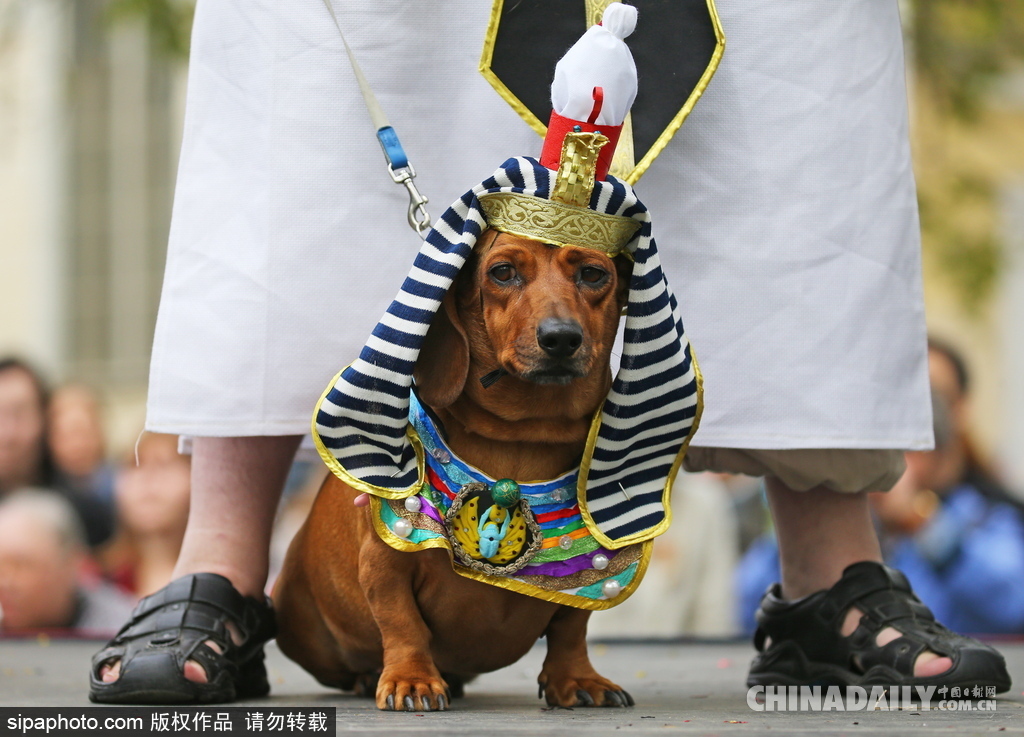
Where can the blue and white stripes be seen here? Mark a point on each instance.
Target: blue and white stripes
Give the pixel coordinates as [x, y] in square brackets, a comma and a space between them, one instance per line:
[361, 423]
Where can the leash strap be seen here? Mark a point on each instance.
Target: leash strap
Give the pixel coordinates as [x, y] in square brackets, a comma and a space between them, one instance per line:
[399, 166]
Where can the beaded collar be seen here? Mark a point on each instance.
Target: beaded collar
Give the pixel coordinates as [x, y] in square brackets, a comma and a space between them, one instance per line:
[545, 549]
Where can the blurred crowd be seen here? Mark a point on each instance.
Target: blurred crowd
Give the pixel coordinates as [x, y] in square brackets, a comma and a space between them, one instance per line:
[85, 533]
[82, 535]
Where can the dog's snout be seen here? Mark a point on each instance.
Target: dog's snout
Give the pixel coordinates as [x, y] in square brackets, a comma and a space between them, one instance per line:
[559, 338]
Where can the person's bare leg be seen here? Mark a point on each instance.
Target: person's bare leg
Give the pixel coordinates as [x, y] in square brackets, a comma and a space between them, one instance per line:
[820, 533]
[236, 485]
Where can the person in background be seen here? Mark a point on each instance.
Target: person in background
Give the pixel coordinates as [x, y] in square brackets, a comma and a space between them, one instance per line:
[949, 525]
[77, 445]
[25, 458]
[43, 570]
[953, 529]
[23, 399]
[152, 501]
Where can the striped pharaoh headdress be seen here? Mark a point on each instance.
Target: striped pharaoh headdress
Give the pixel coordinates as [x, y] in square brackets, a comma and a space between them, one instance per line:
[639, 435]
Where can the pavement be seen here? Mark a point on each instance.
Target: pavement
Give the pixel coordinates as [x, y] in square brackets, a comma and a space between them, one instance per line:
[695, 688]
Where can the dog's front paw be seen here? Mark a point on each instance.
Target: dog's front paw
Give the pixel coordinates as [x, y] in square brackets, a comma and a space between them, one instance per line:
[570, 690]
[411, 689]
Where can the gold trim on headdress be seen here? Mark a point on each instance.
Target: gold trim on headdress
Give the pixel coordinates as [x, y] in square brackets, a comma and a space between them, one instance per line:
[566, 219]
[557, 223]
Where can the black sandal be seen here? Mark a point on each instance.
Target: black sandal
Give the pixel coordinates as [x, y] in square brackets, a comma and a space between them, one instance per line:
[807, 647]
[171, 627]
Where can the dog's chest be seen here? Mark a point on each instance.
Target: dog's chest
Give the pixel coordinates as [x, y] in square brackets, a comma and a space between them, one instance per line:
[530, 538]
[477, 628]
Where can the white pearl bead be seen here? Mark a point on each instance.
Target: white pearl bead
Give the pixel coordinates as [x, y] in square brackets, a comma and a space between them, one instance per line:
[403, 527]
[600, 561]
[413, 503]
[565, 542]
[611, 588]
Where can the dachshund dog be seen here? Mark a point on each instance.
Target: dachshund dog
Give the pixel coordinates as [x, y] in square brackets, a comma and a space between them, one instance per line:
[360, 615]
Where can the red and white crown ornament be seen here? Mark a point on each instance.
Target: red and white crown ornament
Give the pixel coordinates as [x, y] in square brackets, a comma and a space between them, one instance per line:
[594, 88]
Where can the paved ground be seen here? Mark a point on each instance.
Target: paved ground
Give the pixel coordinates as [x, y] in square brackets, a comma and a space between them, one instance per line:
[679, 688]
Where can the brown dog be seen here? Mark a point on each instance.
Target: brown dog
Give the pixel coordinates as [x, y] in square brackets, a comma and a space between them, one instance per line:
[351, 607]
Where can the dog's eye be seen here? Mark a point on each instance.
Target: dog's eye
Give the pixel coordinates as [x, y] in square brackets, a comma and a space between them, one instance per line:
[503, 273]
[592, 275]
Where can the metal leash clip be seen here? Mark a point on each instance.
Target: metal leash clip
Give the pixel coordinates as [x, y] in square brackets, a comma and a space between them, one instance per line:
[419, 218]
[401, 171]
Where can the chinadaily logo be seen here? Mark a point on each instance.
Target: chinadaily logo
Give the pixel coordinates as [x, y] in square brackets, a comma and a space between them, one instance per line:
[871, 698]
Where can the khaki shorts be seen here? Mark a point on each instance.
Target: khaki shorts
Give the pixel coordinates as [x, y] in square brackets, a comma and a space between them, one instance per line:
[802, 469]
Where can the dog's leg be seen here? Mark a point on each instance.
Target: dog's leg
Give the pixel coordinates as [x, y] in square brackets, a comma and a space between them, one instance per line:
[302, 633]
[409, 680]
[567, 678]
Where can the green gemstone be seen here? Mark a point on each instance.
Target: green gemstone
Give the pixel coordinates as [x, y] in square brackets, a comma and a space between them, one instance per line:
[505, 493]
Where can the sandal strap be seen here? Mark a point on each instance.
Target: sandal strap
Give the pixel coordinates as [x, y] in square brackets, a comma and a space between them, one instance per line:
[198, 602]
[203, 587]
[859, 582]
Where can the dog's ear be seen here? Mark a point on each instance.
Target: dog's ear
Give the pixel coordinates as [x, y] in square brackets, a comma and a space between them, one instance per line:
[443, 365]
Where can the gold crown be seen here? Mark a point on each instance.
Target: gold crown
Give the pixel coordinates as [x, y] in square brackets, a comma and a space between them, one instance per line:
[565, 219]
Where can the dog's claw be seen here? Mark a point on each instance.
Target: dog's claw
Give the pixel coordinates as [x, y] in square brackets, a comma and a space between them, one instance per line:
[583, 698]
[612, 699]
[410, 705]
[426, 703]
[627, 699]
[442, 705]
[391, 702]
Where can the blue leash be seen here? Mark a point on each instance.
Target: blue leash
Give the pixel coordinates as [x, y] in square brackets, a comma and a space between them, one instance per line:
[399, 166]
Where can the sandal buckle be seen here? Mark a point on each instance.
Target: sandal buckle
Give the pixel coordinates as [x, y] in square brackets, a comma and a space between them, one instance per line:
[165, 639]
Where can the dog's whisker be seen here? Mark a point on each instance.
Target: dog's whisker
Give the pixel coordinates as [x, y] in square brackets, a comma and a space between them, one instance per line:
[624, 492]
[488, 379]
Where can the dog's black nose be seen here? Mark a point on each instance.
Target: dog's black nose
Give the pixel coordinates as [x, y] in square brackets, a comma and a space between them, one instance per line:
[559, 338]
